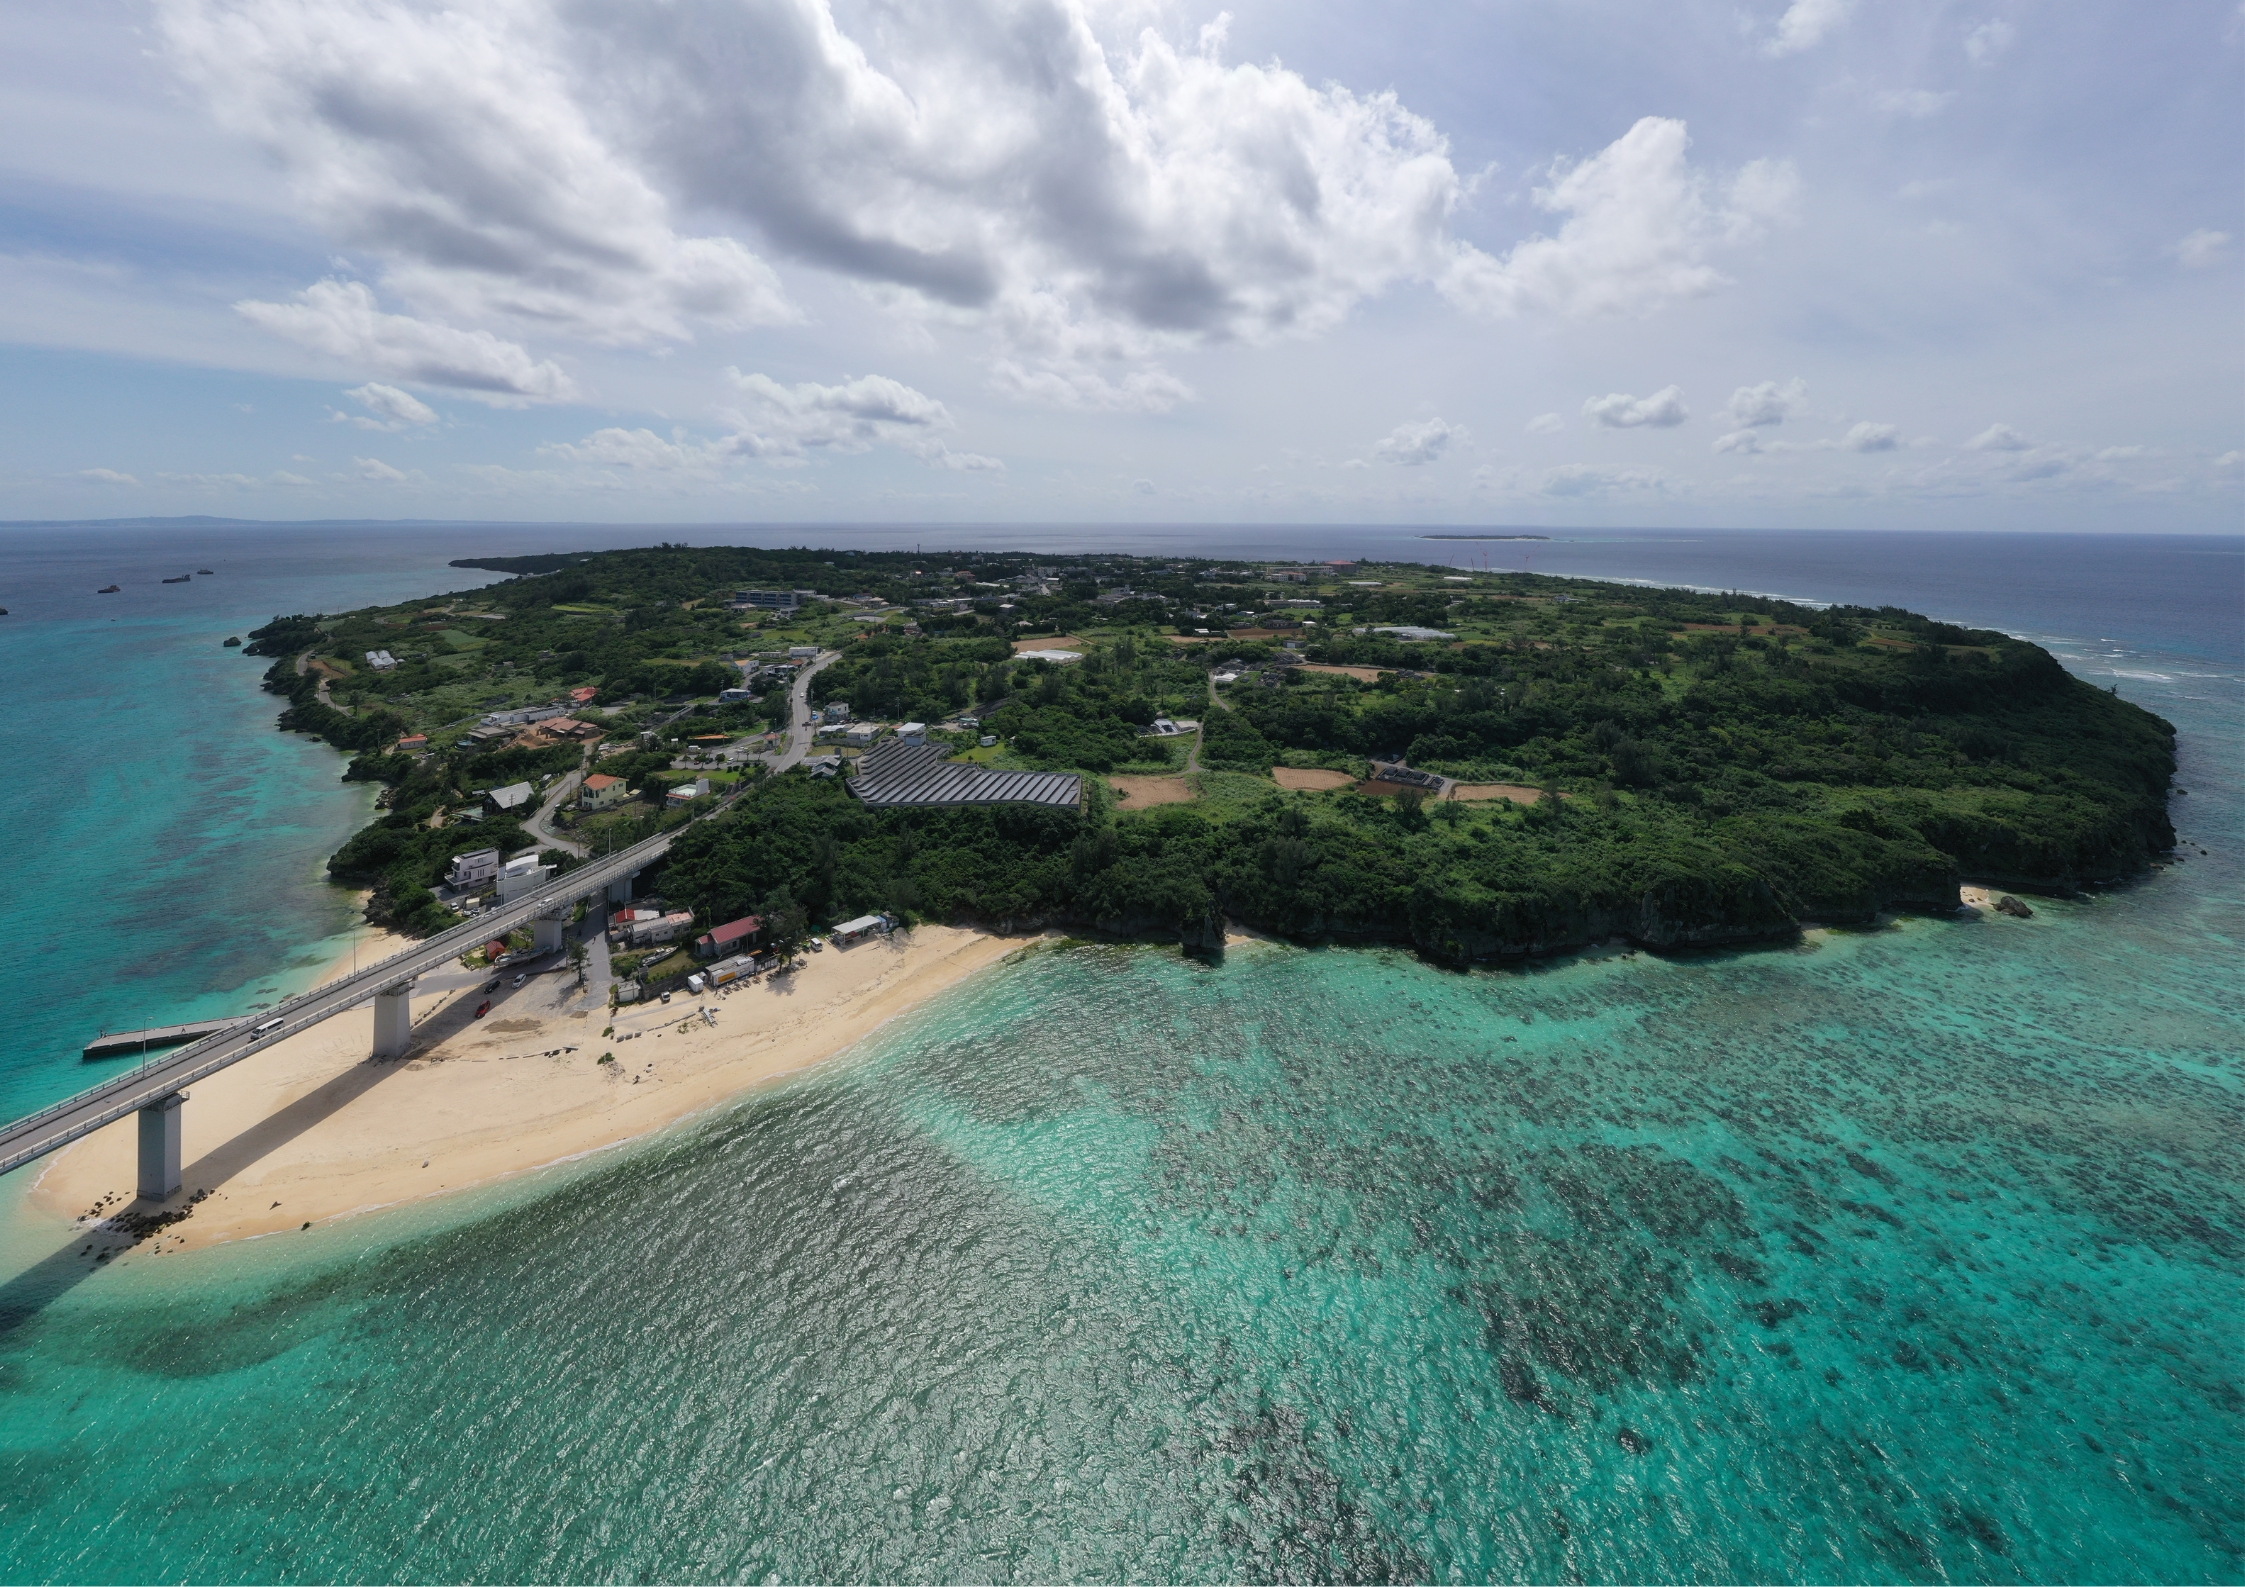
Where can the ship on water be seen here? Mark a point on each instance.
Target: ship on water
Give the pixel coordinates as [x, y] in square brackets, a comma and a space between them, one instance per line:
[184, 578]
[203, 572]
[107, 589]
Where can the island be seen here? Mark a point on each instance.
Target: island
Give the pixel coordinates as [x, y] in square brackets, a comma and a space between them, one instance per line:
[1481, 766]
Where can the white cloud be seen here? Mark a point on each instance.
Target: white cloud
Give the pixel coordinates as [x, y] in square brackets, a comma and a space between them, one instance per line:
[1545, 424]
[1590, 479]
[1663, 410]
[1915, 103]
[106, 476]
[342, 319]
[392, 409]
[1639, 227]
[373, 468]
[783, 424]
[643, 449]
[936, 455]
[1999, 438]
[2202, 248]
[1767, 403]
[1742, 441]
[1990, 39]
[785, 421]
[463, 147]
[1805, 25]
[1421, 441]
[1869, 437]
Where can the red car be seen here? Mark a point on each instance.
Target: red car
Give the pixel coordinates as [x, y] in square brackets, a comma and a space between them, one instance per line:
[483, 1008]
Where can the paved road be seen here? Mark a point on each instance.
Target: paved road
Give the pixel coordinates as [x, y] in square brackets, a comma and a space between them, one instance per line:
[541, 825]
[799, 733]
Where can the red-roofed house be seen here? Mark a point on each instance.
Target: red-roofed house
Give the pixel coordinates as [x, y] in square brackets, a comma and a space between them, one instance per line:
[583, 696]
[601, 791]
[732, 937]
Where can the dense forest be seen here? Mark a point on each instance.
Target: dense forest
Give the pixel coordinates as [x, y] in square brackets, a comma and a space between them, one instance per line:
[1674, 766]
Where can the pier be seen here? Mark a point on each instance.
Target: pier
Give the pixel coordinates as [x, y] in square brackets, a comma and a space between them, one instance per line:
[114, 1044]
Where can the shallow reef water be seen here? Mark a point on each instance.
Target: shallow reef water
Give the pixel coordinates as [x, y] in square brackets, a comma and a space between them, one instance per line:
[1902, 1255]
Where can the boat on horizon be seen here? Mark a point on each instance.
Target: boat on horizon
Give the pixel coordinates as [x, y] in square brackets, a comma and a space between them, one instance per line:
[107, 589]
[205, 572]
[184, 578]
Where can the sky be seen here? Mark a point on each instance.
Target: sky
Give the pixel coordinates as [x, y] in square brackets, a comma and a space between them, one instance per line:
[1804, 263]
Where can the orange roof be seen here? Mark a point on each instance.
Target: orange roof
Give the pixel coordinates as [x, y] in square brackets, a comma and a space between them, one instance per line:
[599, 780]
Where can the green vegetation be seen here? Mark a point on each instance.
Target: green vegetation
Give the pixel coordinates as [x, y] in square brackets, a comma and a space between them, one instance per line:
[1719, 768]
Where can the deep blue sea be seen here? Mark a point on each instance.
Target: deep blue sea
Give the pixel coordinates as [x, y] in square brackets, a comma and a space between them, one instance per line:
[1901, 1255]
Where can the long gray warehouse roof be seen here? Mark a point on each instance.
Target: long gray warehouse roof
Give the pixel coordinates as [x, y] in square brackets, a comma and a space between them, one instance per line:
[918, 775]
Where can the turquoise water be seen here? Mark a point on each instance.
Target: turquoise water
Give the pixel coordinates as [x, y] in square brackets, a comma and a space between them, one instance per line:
[1903, 1255]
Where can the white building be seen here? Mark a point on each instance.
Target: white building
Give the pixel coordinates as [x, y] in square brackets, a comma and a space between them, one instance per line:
[381, 660]
[472, 869]
[522, 876]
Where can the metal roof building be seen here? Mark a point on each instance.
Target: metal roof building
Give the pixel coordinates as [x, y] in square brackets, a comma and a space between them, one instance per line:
[919, 775]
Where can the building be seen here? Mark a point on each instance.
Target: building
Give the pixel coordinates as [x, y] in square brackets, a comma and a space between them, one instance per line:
[838, 711]
[771, 600]
[1407, 632]
[525, 717]
[515, 796]
[664, 928]
[736, 696]
[861, 734]
[732, 937]
[521, 876]
[413, 743]
[583, 696]
[602, 792]
[567, 727]
[858, 930]
[1056, 657]
[687, 793]
[802, 652]
[472, 869]
[381, 660]
[913, 733]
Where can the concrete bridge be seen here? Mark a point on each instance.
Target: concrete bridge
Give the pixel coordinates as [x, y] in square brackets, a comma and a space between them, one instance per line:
[156, 1088]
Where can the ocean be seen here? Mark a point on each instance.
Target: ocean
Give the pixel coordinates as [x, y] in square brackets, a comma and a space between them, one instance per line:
[1907, 1254]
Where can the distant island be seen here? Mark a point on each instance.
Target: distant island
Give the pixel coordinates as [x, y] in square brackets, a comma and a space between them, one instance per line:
[1481, 766]
[1484, 537]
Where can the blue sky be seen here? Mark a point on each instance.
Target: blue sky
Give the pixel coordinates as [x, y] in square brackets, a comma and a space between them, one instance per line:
[1565, 262]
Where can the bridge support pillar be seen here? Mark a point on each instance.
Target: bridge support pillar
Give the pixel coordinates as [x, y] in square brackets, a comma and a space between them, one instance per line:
[159, 1148]
[393, 1021]
[619, 890]
[546, 931]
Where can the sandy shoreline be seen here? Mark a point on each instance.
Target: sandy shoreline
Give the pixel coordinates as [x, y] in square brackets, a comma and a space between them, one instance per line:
[309, 1130]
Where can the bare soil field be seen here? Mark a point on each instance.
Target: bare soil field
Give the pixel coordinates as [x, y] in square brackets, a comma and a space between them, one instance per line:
[1140, 793]
[1058, 642]
[1518, 794]
[1361, 674]
[1308, 779]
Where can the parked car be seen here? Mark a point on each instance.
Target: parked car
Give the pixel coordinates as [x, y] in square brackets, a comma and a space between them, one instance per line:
[483, 1008]
[518, 980]
[491, 985]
